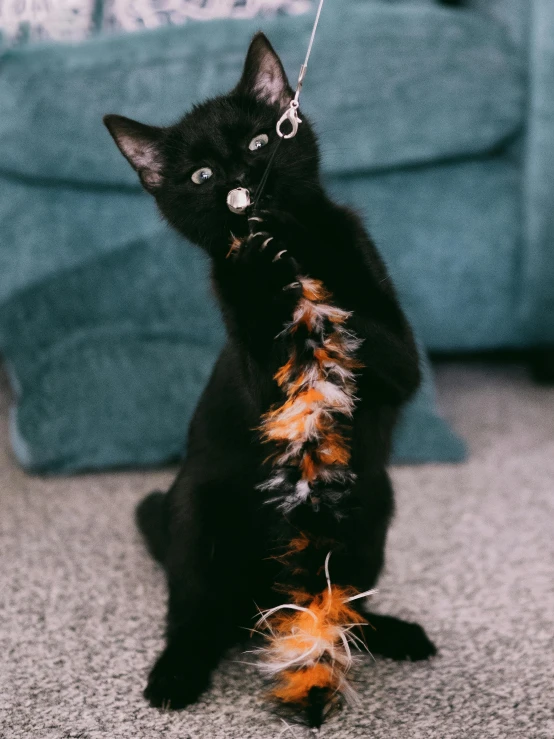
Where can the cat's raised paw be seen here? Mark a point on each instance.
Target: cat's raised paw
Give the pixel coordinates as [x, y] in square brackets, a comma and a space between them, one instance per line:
[268, 256]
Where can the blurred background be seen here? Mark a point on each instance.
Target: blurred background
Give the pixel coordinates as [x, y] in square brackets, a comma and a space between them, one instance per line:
[436, 122]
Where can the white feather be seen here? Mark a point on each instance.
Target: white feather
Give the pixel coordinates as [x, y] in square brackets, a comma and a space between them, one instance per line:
[303, 489]
[336, 397]
[300, 648]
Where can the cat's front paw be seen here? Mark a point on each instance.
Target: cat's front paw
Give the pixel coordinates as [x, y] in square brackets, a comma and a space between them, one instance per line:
[396, 639]
[267, 256]
[173, 684]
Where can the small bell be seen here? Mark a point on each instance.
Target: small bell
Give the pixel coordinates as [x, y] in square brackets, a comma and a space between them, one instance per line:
[238, 200]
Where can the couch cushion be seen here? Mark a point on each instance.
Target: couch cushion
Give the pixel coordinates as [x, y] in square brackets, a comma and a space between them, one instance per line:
[108, 361]
[47, 230]
[388, 86]
[451, 235]
[514, 15]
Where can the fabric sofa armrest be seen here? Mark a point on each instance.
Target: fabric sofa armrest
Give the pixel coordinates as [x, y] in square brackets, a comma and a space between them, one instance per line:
[538, 259]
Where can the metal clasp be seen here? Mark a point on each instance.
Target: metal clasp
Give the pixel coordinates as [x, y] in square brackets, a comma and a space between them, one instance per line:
[290, 115]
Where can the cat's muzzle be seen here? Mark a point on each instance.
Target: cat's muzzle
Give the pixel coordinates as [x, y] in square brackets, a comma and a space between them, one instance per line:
[238, 200]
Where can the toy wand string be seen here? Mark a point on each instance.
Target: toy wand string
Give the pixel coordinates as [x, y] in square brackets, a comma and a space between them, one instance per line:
[291, 113]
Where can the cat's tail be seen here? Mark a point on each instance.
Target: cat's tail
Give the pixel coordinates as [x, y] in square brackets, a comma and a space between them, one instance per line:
[151, 518]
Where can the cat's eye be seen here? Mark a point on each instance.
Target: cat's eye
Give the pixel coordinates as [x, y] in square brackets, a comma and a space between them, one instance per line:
[202, 175]
[258, 142]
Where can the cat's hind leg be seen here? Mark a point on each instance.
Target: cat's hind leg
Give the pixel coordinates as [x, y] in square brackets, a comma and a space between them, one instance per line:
[209, 592]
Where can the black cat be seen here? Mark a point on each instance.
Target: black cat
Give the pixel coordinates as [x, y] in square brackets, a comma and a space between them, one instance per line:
[212, 531]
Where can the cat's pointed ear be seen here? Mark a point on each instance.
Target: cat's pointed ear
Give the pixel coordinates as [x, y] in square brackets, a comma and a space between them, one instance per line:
[141, 146]
[264, 76]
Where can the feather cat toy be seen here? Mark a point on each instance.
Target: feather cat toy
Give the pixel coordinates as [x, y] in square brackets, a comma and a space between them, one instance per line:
[283, 499]
[310, 638]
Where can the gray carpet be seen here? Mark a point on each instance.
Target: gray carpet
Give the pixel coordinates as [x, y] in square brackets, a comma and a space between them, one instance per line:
[471, 556]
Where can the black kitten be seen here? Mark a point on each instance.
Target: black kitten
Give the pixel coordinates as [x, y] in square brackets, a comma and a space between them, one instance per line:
[211, 531]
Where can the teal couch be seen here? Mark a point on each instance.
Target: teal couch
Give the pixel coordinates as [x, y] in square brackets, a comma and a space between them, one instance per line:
[437, 123]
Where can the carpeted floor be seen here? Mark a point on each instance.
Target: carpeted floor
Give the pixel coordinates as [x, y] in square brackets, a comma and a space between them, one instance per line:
[471, 556]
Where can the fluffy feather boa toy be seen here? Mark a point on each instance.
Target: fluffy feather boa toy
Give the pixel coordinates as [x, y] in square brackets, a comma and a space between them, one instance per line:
[311, 636]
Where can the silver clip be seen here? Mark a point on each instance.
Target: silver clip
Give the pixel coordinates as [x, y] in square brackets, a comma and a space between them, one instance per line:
[290, 115]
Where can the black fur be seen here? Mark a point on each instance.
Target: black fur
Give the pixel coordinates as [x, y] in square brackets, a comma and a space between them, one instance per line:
[151, 516]
[212, 531]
